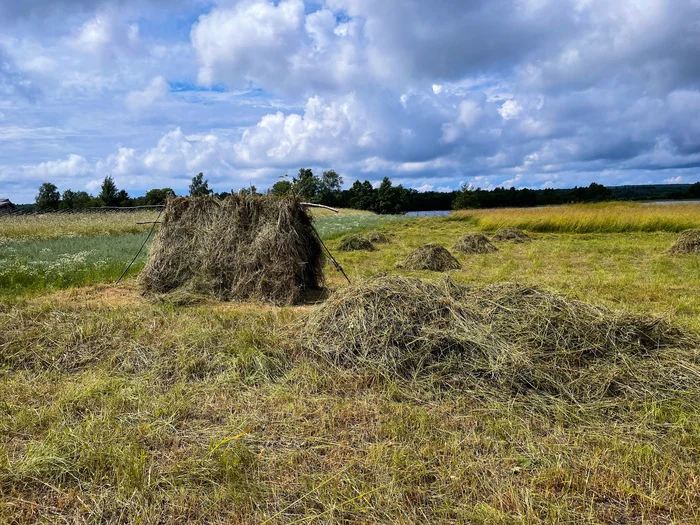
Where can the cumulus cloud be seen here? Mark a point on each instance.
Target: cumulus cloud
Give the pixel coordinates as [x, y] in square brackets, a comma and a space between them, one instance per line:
[140, 100]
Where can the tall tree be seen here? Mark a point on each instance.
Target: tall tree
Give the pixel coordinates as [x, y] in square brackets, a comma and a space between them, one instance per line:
[306, 184]
[281, 188]
[330, 187]
[109, 192]
[199, 186]
[157, 196]
[48, 197]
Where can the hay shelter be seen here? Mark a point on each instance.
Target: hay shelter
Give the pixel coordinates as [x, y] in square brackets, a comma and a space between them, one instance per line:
[241, 247]
[687, 242]
[504, 338]
[474, 243]
[511, 234]
[431, 257]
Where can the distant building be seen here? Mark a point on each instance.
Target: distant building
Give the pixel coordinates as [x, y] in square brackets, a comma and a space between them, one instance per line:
[6, 207]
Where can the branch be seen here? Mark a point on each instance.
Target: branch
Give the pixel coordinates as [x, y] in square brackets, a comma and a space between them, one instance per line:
[312, 205]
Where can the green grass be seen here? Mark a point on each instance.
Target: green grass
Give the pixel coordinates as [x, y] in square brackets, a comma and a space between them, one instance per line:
[118, 409]
[32, 266]
[334, 226]
[613, 217]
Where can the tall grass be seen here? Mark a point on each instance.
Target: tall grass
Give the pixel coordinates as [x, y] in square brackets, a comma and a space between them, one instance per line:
[614, 217]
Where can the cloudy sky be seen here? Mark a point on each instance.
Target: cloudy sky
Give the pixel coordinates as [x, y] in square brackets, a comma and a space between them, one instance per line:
[434, 94]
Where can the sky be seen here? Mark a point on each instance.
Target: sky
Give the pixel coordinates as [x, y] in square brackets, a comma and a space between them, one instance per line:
[433, 94]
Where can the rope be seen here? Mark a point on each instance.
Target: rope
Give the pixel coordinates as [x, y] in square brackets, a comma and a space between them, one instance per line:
[141, 249]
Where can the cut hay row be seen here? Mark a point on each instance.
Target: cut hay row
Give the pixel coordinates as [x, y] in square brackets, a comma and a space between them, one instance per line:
[242, 247]
[511, 337]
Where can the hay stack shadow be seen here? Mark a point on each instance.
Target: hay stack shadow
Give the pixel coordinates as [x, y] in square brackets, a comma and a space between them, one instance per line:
[242, 247]
[431, 257]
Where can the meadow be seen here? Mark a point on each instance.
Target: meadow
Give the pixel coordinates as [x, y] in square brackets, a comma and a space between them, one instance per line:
[118, 408]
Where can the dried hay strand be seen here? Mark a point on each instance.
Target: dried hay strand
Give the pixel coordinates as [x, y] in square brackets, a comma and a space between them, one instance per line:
[431, 257]
[511, 234]
[378, 238]
[474, 243]
[687, 242]
[511, 338]
[241, 247]
[354, 243]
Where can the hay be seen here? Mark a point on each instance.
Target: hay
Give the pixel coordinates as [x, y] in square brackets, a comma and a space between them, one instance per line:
[354, 243]
[474, 243]
[431, 257]
[242, 247]
[687, 242]
[511, 234]
[508, 337]
[378, 238]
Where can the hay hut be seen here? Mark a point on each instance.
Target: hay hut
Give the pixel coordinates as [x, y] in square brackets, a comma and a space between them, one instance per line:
[6, 207]
[474, 243]
[687, 242]
[431, 257]
[241, 247]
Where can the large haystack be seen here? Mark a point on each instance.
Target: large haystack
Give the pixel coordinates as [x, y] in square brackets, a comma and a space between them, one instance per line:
[687, 242]
[513, 338]
[242, 247]
[431, 257]
[474, 243]
[511, 234]
[355, 243]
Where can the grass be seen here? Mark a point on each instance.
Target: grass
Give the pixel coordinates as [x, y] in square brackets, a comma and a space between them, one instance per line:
[117, 409]
[613, 217]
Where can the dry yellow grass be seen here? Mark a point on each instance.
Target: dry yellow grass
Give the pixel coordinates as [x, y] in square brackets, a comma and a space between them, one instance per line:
[614, 217]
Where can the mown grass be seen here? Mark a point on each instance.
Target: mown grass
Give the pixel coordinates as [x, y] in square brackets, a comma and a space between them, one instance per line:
[614, 217]
[119, 409]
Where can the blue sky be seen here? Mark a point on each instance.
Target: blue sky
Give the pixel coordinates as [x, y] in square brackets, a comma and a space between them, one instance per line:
[525, 93]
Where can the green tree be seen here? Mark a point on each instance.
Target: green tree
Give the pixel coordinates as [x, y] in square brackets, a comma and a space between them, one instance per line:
[109, 192]
[199, 186]
[48, 197]
[123, 198]
[466, 198]
[306, 184]
[281, 188]
[389, 197]
[67, 200]
[330, 187]
[157, 196]
[694, 190]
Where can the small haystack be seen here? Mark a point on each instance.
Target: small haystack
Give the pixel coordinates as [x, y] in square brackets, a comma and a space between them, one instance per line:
[355, 243]
[509, 337]
[378, 238]
[474, 243]
[511, 234]
[687, 242]
[242, 247]
[431, 257]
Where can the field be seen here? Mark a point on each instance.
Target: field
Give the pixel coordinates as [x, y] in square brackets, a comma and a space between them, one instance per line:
[116, 408]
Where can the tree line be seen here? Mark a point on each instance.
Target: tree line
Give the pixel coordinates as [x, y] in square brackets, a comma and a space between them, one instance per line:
[385, 198]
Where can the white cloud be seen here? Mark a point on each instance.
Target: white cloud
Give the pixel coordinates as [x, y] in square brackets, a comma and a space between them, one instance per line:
[510, 109]
[140, 100]
[74, 165]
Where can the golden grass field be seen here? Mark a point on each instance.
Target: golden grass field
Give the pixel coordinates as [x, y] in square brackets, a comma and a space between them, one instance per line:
[117, 408]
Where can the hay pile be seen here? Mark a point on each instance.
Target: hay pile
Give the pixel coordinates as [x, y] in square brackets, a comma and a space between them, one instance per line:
[511, 234]
[431, 257]
[687, 242]
[378, 238]
[512, 338]
[242, 247]
[354, 243]
[474, 243]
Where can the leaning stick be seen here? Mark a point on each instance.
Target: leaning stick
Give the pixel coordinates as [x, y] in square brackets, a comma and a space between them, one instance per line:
[312, 205]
